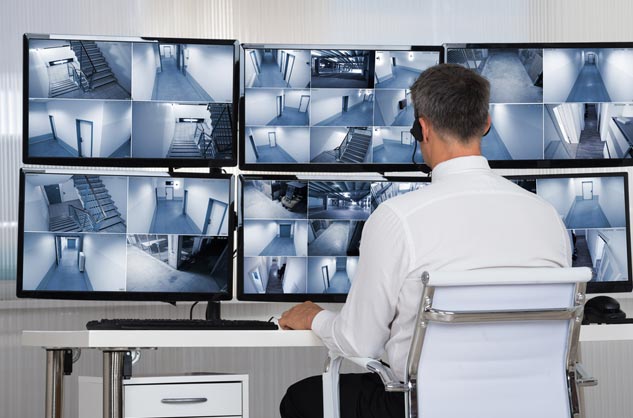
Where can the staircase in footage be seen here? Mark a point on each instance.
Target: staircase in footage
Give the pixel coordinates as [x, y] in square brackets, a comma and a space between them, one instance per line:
[212, 142]
[97, 214]
[355, 145]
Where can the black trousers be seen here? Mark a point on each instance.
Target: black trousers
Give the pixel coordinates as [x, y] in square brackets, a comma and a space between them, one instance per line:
[361, 396]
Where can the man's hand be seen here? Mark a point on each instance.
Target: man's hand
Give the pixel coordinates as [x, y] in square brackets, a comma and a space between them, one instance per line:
[299, 316]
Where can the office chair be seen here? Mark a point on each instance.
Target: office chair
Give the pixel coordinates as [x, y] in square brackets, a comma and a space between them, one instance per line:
[490, 343]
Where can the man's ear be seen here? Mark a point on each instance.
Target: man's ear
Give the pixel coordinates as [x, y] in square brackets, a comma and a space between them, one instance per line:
[488, 126]
[426, 126]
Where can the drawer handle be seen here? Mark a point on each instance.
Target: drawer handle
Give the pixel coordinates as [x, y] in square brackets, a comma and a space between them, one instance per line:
[183, 400]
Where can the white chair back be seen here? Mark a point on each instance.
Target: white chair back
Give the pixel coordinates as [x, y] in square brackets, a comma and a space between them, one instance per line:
[510, 363]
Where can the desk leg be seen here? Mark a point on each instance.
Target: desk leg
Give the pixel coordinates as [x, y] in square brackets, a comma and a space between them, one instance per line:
[113, 383]
[54, 383]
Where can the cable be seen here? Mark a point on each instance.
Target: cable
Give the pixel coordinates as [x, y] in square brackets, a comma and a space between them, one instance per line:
[191, 310]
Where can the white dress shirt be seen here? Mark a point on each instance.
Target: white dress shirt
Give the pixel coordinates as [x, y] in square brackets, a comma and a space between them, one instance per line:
[468, 218]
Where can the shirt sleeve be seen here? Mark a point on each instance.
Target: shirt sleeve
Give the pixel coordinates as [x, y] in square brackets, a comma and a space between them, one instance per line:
[363, 325]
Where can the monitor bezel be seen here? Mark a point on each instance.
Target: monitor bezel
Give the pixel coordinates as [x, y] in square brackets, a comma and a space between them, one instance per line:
[321, 167]
[131, 161]
[545, 164]
[599, 287]
[124, 295]
[293, 297]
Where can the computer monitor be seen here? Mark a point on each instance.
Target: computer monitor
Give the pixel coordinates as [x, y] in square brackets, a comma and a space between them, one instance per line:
[595, 210]
[299, 239]
[555, 105]
[113, 101]
[320, 108]
[114, 236]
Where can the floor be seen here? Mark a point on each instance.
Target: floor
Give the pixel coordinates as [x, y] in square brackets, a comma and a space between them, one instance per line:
[590, 144]
[360, 114]
[169, 219]
[257, 205]
[173, 85]
[66, 275]
[351, 213]
[276, 154]
[269, 75]
[274, 284]
[493, 148]
[145, 273]
[339, 283]
[402, 78]
[109, 91]
[509, 81]
[404, 117]
[280, 247]
[124, 151]
[586, 214]
[332, 241]
[393, 151]
[589, 86]
[325, 157]
[290, 117]
[340, 80]
[49, 148]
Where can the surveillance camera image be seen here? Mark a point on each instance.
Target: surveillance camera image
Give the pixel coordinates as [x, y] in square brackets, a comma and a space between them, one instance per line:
[317, 253]
[342, 98]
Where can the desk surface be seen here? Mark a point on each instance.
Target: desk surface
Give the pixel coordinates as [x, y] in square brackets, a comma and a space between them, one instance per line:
[278, 338]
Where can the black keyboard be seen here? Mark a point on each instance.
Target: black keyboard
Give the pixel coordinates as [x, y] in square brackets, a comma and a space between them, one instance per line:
[180, 324]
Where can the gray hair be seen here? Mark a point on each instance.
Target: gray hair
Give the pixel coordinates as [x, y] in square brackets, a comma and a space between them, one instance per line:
[453, 99]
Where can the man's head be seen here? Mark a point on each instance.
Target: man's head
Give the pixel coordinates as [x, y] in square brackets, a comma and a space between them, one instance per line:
[451, 104]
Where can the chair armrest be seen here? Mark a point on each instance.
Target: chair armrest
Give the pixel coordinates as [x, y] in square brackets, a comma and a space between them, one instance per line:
[583, 377]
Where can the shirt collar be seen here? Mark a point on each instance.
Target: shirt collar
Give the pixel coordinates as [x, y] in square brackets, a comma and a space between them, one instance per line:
[459, 165]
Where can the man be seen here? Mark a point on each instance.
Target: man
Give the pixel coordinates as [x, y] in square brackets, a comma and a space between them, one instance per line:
[467, 218]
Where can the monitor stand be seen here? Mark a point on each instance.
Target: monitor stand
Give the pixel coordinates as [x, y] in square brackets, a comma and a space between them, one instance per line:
[213, 311]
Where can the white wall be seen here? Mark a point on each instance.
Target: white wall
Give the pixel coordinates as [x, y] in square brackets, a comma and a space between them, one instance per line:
[249, 264]
[257, 235]
[117, 127]
[301, 238]
[521, 129]
[199, 192]
[618, 245]
[352, 263]
[212, 68]
[326, 103]
[387, 104]
[315, 277]
[117, 188]
[383, 67]
[324, 139]
[561, 193]
[294, 140]
[39, 123]
[616, 69]
[191, 111]
[416, 61]
[560, 69]
[39, 257]
[293, 98]
[141, 204]
[145, 62]
[249, 69]
[612, 201]
[38, 75]
[261, 105]
[105, 261]
[118, 55]
[68, 191]
[300, 76]
[35, 208]
[295, 280]
[153, 127]
[384, 133]
[66, 112]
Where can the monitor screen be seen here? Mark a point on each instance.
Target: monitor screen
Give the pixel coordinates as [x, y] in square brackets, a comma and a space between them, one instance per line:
[555, 105]
[320, 109]
[595, 210]
[130, 101]
[299, 239]
[90, 235]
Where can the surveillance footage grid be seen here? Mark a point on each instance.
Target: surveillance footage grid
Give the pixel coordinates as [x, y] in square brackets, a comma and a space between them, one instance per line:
[136, 100]
[335, 106]
[105, 233]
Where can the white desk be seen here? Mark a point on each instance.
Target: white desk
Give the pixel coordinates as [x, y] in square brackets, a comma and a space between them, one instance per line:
[116, 344]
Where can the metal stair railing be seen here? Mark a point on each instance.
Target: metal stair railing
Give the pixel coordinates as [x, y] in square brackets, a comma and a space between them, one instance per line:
[84, 220]
[84, 50]
[79, 77]
[94, 194]
[340, 150]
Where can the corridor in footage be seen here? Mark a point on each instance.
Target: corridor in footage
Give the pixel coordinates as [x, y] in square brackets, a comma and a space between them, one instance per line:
[589, 86]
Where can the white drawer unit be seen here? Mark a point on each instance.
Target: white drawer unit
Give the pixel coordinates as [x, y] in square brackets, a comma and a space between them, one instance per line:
[192, 396]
